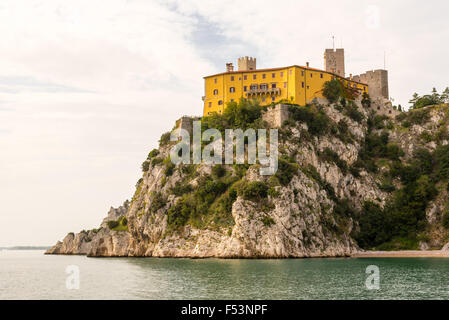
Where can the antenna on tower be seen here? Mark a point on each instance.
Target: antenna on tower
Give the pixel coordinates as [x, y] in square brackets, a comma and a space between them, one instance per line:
[333, 42]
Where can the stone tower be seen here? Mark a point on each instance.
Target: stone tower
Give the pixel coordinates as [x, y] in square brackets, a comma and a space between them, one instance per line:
[377, 82]
[334, 61]
[247, 63]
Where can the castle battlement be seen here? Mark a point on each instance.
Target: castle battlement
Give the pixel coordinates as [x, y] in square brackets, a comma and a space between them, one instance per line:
[377, 81]
[246, 63]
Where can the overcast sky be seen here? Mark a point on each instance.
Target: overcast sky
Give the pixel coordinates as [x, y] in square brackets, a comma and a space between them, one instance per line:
[87, 87]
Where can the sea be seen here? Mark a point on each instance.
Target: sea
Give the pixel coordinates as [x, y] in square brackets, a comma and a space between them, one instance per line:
[29, 274]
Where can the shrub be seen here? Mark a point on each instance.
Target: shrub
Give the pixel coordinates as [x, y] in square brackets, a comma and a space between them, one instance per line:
[180, 189]
[165, 139]
[157, 201]
[146, 165]
[169, 168]
[139, 182]
[112, 224]
[156, 161]
[153, 153]
[218, 171]
[253, 191]
[242, 115]
[317, 121]
[272, 192]
[286, 171]
[366, 100]
[353, 112]
[268, 221]
[355, 171]
[393, 151]
[332, 90]
[418, 116]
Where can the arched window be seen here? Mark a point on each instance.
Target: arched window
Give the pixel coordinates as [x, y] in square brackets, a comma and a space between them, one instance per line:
[231, 89]
[215, 91]
[220, 102]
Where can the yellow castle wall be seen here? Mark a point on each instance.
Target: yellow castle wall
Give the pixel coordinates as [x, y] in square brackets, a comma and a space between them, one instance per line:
[297, 84]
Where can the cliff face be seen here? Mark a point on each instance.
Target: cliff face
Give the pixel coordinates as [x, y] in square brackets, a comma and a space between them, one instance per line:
[310, 208]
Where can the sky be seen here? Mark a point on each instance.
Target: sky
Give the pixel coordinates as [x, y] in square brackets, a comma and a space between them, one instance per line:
[87, 87]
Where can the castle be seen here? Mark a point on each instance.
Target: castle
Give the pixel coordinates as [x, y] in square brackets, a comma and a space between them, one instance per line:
[296, 84]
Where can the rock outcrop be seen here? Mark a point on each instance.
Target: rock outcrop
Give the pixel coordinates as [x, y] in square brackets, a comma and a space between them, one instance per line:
[296, 219]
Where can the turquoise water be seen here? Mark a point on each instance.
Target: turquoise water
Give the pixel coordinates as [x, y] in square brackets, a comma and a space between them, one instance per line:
[32, 275]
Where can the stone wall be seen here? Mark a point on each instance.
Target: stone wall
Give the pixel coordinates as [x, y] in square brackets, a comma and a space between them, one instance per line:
[185, 123]
[377, 81]
[383, 106]
[334, 61]
[276, 116]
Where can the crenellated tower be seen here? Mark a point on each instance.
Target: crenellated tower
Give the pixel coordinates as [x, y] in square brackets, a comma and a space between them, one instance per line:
[246, 63]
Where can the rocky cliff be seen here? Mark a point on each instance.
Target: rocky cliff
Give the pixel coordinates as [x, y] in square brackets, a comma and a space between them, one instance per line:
[336, 163]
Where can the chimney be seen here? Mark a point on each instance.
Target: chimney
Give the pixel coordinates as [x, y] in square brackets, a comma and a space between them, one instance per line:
[229, 67]
[307, 64]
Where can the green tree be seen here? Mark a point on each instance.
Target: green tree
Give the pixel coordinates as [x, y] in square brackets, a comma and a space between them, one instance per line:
[333, 90]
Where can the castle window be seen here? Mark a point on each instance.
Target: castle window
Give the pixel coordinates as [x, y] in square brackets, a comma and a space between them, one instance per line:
[364, 88]
[220, 102]
[210, 104]
[302, 84]
[302, 73]
[311, 75]
[215, 80]
[254, 76]
[273, 85]
[285, 84]
[264, 86]
[215, 91]
[321, 75]
[273, 98]
[290, 71]
[282, 74]
[307, 87]
[232, 78]
[273, 75]
[245, 77]
[245, 88]
[253, 87]
[231, 89]
[264, 76]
